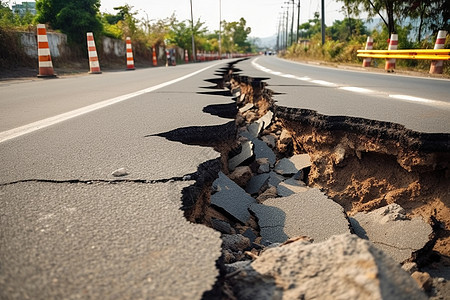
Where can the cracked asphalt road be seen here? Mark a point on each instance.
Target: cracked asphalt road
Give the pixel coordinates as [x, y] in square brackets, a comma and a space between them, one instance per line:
[66, 232]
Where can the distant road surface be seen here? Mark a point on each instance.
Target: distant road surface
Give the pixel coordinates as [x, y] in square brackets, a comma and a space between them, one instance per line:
[419, 103]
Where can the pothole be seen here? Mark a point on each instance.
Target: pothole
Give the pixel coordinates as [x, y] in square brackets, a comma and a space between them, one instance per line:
[289, 175]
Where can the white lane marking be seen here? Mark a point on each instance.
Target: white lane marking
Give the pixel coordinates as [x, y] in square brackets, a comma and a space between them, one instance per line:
[16, 132]
[356, 89]
[304, 78]
[421, 100]
[323, 82]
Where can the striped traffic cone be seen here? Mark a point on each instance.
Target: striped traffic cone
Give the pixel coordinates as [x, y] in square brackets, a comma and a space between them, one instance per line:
[155, 62]
[94, 65]
[44, 58]
[393, 44]
[369, 46]
[437, 66]
[186, 56]
[130, 60]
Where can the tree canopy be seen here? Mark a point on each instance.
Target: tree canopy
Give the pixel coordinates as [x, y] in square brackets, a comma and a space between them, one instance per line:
[73, 17]
[433, 14]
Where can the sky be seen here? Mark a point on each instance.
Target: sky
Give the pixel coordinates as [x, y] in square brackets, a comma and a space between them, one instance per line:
[261, 15]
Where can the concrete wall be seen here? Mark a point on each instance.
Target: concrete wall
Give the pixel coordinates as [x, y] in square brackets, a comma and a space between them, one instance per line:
[56, 41]
[114, 47]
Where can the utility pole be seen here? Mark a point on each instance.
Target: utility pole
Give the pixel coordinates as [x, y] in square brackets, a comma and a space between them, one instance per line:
[220, 29]
[287, 26]
[323, 22]
[278, 34]
[298, 21]
[283, 32]
[292, 23]
[194, 56]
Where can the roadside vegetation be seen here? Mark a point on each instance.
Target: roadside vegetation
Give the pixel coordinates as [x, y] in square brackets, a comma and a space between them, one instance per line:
[415, 22]
[76, 17]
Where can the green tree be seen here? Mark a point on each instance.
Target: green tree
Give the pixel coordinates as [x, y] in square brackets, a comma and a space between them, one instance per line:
[180, 34]
[433, 15]
[310, 28]
[6, 15]
[73, 17]
[344, 30]
[235, 36]
[387, 10]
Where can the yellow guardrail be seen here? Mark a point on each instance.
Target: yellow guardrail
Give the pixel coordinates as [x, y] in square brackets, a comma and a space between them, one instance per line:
[440, 54]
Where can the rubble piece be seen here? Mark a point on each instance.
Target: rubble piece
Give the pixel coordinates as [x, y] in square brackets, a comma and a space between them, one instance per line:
[343, 267]
[266, 120]
[254, 129]
[246, 107]
[256, 183]
[271, 223]
[275, 179]
[241, 98]
[236, 92]
[291, 186]
[263, 151]
[270, 140]
[232, 198]
[271, 192]
[235, 242]
[250, 235]
[309, 213]
[221, 226]
[262, 123]
[285, 136]
[120, 172]
[246, 153]
[423, 280]
[290, 166]
[241, 175]
[264, 165]
[230, 268]
[391, 231]
[410, 267]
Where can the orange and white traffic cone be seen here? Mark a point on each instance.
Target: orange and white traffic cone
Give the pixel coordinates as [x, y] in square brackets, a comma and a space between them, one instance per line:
[393, 45]
[130, 60]
[44, 58]
[437, 66]
[186, 56]
[369, 46]
[94, 65]
[155, 62]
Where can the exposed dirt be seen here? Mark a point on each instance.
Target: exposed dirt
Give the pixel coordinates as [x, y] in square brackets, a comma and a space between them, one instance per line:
[363, 168]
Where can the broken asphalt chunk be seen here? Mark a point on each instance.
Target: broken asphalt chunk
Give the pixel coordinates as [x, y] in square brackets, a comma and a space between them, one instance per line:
[256, 183]
[120, 172]
[343, 267]
[309, 213]
[291, 186]
[246, 153]
[263, 151]
[392, 231]
[290, 166]
[232, 198]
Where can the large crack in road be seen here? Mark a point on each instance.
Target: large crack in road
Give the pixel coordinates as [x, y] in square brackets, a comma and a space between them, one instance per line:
[363, 165]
